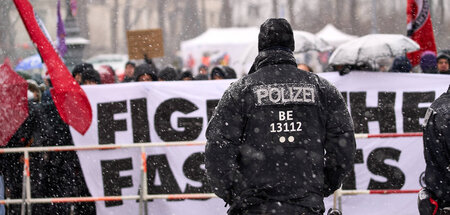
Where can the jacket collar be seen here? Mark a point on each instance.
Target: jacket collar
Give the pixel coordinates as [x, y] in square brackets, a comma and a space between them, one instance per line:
[272, 57]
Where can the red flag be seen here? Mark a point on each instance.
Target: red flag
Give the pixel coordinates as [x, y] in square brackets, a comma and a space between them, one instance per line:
[420, 28]
[70, 100]
[13, 103]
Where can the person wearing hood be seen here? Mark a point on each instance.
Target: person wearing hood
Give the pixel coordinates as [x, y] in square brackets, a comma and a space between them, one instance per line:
[222, 72]
[145, 72]
[280, 139]
[217, 73]
[443, 64]
[229, 73]
[186, 76]
[401, 64]
[167, 74]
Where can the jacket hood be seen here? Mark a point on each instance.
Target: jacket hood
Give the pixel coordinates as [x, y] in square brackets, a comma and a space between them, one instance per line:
[168, 74]
[276, 33]
[145, 69]
[401, 64]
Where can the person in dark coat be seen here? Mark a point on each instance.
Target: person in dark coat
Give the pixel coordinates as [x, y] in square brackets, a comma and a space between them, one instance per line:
[436, 142]
[167, 74]
[145, 72]
[401, 64]
[280, 138]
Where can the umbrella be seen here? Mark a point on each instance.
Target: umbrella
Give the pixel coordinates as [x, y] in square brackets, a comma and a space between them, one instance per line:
[370, 47]
[13, 103]
[32, 62]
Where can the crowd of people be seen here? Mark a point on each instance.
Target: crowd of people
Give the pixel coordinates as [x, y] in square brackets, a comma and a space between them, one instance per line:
[85, 74]
[58, 174]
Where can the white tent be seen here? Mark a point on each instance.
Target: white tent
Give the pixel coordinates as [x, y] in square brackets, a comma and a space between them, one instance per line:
[334, 36]
[218, 41]
[241, 44]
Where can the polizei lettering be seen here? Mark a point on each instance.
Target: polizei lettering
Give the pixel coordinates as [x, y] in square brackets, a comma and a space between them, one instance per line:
[289, 93]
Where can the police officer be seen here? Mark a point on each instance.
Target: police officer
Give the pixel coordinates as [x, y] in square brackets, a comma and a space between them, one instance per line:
[280, 138]
[436, 140]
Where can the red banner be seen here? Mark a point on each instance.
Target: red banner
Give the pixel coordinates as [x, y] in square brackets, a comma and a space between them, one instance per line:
[420, 28]
[13, 103]
[70, 100]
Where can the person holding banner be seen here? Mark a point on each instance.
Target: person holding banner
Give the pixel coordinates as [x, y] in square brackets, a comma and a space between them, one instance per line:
[280, 138]
[435, 198]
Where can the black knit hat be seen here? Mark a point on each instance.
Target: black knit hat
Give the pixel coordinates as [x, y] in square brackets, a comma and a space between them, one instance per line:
[217, 71]
[168, 74]
[90, 75]
[80, 68]
[186, 74]
[276, 33]
[145, 69]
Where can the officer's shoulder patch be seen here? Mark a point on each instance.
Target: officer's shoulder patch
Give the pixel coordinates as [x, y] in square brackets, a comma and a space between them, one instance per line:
[429, 113]
[285, 93]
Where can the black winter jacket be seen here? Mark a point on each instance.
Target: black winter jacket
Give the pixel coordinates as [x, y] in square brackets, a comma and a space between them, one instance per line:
[279, 134]
[436, 140]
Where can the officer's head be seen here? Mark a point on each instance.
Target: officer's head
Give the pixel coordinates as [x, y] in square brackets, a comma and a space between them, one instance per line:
[276, 33]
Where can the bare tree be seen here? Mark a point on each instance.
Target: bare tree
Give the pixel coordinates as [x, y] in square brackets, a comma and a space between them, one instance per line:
[275, 8]
[203, 15]
[127, 23]
[290, 5]
[225, 18]
[161, 12]
[338, 13]
[82, 18]
[114, 20]
[324, 15]
[7, 31]
[190, 28]
[354, 16]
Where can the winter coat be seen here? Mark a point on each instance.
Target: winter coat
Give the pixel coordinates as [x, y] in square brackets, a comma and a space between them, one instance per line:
[279, 134]
[436, 140]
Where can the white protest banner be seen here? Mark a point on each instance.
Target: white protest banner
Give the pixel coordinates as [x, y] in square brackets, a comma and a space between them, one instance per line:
[174, 111]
